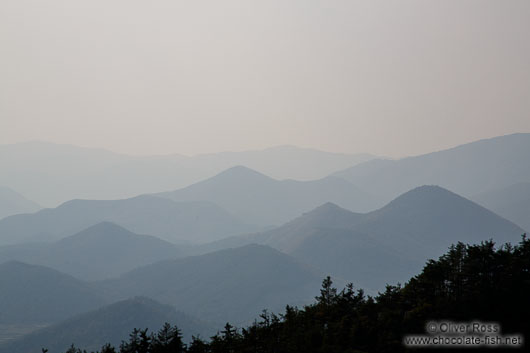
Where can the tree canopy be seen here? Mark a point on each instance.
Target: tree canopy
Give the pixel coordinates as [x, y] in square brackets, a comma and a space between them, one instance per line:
[482, 282]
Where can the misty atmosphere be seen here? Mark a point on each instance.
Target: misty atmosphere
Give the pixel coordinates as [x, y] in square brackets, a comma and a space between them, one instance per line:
[274, 176]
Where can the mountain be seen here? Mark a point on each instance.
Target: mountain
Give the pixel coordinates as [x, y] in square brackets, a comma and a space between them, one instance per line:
[262, 200]
[285, 162]
[36, 295]
[386, 245]
[109, 324]
[468, 169]
[52, 174]
[512, 202]
[12, 203]
[432, 217]
[102, 251]
[229, 285]
[173, 221]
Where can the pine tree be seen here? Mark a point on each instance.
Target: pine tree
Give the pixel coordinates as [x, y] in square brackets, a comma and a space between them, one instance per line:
[328, 294]
[168, 340]
[139, 342]
[197, 345]
[107, 348]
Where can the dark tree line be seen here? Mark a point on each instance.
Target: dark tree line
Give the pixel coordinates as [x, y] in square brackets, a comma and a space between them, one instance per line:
[469, 282]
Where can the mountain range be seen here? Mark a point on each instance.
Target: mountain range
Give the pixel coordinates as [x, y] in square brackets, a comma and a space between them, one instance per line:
[51, 174]
[225, 248]
[39, 295]
[386, 245]
[108, 324]
[228, 285]
[12, 203]
[262, 200]
[179, 222]
[102, 251]
[468, 169]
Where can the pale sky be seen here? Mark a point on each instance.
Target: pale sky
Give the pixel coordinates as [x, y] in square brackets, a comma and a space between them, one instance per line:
[164, 76]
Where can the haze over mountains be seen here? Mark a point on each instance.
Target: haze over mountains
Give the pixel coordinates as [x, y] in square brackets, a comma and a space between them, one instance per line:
[227, 285]
[233, 284]
[12, 203]
[35, 294]
[468, 169]
[511, 202]
[386, 245]
[102, 251]
[51, 174]
[258, 242]
[179, 222]
[262, 200]
[109, 324]
[289, 176]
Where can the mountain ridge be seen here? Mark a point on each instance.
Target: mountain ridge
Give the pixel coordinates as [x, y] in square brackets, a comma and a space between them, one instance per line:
[101, 251]
[55, 295]
[467, 169]
[265, 201]
[146, 214]
[109, 324]
[226, 285]
[56, 173]
[11, 203]
[394, 241]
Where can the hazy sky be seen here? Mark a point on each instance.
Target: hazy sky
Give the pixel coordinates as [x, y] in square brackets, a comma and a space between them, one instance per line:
[167, 76]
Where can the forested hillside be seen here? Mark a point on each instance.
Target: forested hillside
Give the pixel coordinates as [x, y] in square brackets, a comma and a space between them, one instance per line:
[470, 282]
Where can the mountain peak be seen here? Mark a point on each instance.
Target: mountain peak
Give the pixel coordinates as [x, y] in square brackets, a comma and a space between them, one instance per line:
[448, 209]
[105, 226]
[100, 230]
[240, 171]
[327, 210]
[327, 207]
[233, 177]
[328, 215]
[423, 195]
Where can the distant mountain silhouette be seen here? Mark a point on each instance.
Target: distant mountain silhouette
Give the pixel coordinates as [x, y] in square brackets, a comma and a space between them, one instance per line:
[161, 217]
[262, 200]
[12, 203]
[512, 202]
[102, 251]
[229, 285]
[53, 173]
[109, 324]
[386, 245]
[35, 294]
[468, 169]
[432, 217]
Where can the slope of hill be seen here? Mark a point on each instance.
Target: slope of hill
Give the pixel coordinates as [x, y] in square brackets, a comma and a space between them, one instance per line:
[35, 294]
[468, 283]
[431, 217]
[285, 162]
[262, 200]
[468, 169]
[12, 203]
[164, 218]
[386, 245]
[109, 324]
[229, 285]
[102, 251]
[53, 174]
[512, 202]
